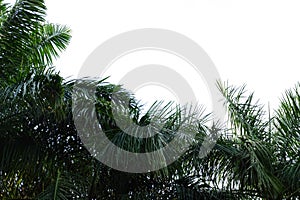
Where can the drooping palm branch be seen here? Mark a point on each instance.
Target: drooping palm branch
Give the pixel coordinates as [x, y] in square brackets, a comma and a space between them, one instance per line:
[41, 155]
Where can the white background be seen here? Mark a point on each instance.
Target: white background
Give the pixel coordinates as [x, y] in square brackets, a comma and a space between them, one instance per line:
[256, 42]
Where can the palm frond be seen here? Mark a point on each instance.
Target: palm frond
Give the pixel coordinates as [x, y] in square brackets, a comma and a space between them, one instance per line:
[254, 169]
[246, 117]
[287, 139]
[61, 188]
[24, 33]
[48, 42]
[22, 19]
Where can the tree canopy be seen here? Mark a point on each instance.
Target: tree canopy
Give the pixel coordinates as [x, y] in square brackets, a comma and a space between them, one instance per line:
[42, 156]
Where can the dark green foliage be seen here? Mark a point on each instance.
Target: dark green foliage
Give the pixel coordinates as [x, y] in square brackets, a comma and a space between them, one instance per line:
[42, 156]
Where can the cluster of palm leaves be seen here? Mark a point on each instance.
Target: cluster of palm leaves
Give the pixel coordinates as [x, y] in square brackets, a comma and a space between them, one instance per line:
[41, 155]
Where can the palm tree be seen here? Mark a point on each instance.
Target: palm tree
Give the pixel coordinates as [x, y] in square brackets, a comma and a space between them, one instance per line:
[41, 155]
[287, 142]
[29, 91]
[257, 156]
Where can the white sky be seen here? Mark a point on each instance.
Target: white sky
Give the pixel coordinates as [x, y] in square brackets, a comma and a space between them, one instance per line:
[255, 42]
